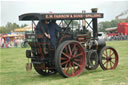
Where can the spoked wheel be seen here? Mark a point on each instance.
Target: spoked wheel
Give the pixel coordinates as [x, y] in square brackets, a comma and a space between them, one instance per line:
[92, 60]
[70, 59]
[108, 58]
[44, 69]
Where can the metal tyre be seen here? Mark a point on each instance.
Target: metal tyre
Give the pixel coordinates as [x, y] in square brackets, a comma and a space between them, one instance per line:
[108, 58]
[70, 59]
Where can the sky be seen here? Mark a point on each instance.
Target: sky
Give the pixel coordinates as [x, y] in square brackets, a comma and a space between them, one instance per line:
[11, 9]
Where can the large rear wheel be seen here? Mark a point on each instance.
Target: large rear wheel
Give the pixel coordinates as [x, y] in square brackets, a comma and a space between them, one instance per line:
[70, 59]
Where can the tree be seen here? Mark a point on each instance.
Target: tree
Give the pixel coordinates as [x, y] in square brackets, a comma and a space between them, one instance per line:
[3, 30]
[23, 25]
[104, 25]
[8, 27]
[11, 26]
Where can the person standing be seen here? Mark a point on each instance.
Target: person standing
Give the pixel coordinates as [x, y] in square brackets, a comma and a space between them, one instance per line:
[42, 28]
[0, 42]
[53, 29]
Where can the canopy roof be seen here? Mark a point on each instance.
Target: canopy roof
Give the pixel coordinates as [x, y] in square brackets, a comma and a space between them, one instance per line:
[27, 28]
[59, 16]
[13, 35]
[111, 29]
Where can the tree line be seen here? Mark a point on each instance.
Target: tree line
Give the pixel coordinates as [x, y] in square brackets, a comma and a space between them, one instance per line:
[9, 27]
[109, 24]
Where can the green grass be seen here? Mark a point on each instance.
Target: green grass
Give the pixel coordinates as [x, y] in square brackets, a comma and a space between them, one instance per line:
[12, 70]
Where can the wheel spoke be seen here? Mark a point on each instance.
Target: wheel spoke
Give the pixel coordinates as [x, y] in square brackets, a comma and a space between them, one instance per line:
[111, 54]
[107, 65]
[65, 66]
[104, 54]
[105, 62]
[71, 68]
[68, 67]
[70, 49]
[110, 64]
[112, 58]
[74, 46]
[66, 50]
[65, 54]
[74, 67]
[76, 64]
[62, 58]
[75, 53]
[78, 55]
[64, 62]
[77, 59]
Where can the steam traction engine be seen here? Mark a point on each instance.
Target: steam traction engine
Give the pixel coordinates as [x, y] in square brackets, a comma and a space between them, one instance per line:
[76, 48]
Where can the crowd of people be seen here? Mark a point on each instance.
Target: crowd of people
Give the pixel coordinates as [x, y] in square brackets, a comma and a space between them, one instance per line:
[118, 37]
[7, 43]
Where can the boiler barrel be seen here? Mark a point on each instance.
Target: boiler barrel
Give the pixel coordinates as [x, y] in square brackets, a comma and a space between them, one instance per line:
[101, 43]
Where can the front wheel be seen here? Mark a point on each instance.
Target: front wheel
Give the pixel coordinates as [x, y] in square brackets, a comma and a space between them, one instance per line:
[70, 59]
[108, 58]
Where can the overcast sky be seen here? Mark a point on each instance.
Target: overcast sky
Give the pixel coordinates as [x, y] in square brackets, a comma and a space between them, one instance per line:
[11, 9]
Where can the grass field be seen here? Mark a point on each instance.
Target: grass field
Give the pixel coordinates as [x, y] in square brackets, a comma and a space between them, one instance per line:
[12, 70]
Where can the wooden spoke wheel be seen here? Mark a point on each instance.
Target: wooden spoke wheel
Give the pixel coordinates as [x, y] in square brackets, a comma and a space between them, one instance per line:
[44, 70]
[108, 58]
[92, 60]
[70, 59]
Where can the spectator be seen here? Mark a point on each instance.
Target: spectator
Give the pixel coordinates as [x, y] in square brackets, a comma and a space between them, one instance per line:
[2, 42]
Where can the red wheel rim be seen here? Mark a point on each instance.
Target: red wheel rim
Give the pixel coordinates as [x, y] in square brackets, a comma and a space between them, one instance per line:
[109, 58]
[72, 59]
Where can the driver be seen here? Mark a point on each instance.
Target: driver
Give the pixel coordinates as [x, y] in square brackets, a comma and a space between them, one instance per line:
[42, 28]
